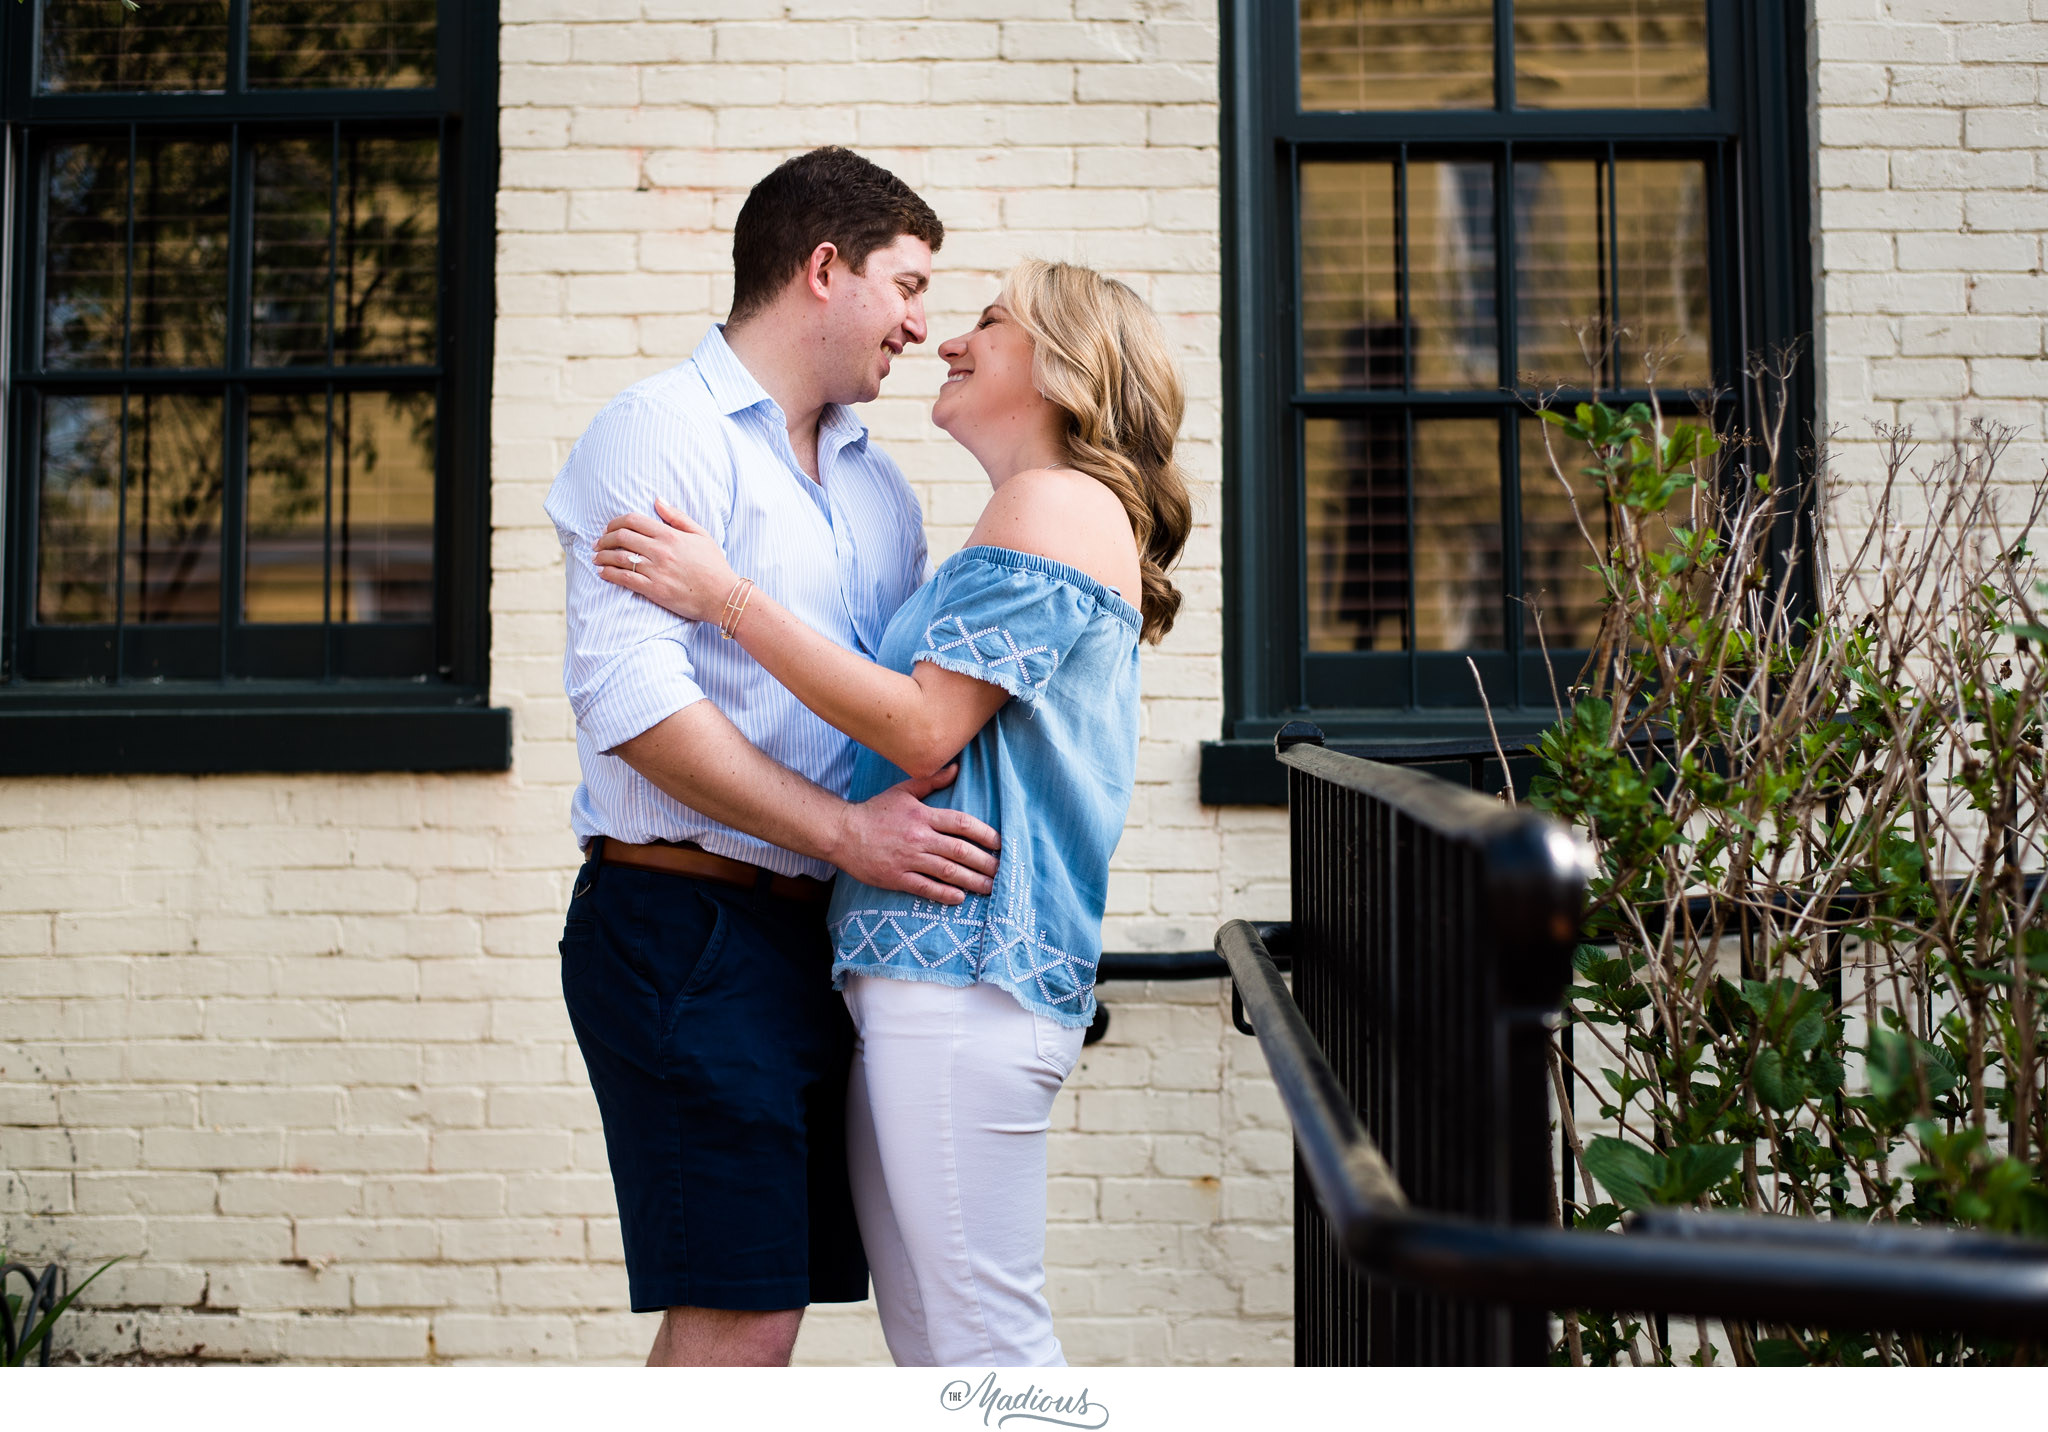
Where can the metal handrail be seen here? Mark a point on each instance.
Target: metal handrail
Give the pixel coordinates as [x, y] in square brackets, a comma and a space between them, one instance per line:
[1777, 1270]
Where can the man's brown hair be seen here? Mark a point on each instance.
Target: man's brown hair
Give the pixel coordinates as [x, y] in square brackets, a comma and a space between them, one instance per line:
[829, 196]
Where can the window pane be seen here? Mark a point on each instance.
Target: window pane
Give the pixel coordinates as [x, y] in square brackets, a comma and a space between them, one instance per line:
[1357, 533]
[1557, 576]
[389, 202]
[174, 491]
[101, 45]
[85, 248]
[1396, 54]
[1660, 217]
[1656, 296]
[177, 294]
[294, 219]
[1561, 245]
[341, 44]
[385, 193]
[78, 509]
[180, 283]
[1360, 554]
[1457, 534]
[384, 506]
[1610, 54]
[1350, 283]
[1450, 280]
[285, 564]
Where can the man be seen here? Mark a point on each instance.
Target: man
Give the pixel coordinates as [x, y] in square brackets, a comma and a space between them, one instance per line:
[695, 959]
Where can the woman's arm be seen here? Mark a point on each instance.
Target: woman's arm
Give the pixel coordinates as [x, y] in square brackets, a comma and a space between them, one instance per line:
[919, 722]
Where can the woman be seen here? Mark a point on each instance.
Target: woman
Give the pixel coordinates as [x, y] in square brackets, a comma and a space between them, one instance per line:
[1020, 657]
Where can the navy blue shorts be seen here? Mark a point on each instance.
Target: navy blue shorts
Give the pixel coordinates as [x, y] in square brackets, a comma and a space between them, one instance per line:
[719, 1054]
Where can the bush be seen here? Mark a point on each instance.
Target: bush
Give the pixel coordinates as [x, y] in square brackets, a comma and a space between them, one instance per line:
[1817, 959]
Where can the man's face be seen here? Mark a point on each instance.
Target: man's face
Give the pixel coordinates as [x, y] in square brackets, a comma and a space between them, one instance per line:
[872, 316]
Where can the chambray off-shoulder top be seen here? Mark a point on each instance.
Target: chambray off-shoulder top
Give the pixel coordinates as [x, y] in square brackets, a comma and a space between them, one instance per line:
[1052, 771]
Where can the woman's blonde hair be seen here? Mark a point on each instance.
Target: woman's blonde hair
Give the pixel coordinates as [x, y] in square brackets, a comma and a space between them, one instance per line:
[1102, 356]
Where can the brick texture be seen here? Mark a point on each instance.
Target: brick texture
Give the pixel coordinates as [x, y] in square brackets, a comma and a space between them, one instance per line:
[295, 1046]
[1932, 195]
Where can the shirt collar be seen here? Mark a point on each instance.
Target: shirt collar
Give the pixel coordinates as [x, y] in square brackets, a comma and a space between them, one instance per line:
[732, 387]
[735, 390]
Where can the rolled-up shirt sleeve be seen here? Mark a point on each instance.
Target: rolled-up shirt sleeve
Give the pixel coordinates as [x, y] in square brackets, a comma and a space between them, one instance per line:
[628, 665]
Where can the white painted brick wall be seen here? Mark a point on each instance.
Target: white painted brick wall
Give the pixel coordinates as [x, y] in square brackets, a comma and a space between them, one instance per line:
[1932, 196]
[296, 1046]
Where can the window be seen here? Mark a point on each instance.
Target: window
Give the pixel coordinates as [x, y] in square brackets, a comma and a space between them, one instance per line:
[1434, 211]
[248, 352]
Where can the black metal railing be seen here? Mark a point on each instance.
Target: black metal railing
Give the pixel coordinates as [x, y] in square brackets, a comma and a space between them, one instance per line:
[1430, 952]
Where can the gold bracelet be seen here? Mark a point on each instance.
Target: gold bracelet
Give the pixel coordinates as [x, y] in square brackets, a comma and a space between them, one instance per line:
[735, 607]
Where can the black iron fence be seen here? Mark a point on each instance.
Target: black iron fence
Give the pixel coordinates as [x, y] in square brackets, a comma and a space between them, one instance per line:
[1430, 951]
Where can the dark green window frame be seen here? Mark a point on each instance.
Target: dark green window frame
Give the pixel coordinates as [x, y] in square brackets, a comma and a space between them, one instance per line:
[319, 696]
[1753, 139]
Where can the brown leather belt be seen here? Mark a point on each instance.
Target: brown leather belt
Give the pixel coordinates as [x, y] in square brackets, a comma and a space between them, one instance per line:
[686, 859]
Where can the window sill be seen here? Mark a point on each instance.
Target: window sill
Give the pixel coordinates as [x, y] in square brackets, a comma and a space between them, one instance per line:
[1242, 771]
[215, 730]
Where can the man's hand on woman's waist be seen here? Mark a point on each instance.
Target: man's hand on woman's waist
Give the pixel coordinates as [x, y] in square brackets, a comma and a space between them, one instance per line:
[894, 841]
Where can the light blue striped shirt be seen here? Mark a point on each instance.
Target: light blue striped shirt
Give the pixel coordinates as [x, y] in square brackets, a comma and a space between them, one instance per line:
[842, 554]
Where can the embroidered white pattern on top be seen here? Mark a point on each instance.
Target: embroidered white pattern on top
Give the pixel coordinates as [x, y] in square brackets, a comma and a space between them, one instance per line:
[1007, 654]
[1004, 947]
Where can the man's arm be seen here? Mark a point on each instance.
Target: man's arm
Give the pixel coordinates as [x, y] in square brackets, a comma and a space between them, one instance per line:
[894, 841]
[633, 687]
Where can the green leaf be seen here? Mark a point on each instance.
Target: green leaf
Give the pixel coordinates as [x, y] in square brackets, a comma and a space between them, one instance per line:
[1780, 1352]
[1600, 1215]
[1695, 1169]
[1628, 1171]
[1774, 1085]
[42, 1329]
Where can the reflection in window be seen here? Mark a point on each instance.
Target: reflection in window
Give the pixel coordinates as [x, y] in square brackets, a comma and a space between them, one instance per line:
[1561, 263]
[100, 46]
[1610, 54]
[1570, 288]
[341, 44]
[1660, 222]
[346, 233]
[293, 266]
[139, 499]
[1559, 586]
[170, 285]
[1457, 534]
[174, 495]
[341, 508]
[1357, 490]
[1451, 278]
[78, 509]
[388, 195]
[383, 506]
[1351, 276]
[1396, 54]
[1365, 554]
[85, 255]
[284, 576]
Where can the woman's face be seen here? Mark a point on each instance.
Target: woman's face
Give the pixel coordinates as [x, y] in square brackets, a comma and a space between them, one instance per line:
[988, 393]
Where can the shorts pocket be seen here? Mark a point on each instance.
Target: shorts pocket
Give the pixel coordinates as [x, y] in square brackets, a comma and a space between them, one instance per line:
[1059, 1048]
[579, 926]
[708, 948]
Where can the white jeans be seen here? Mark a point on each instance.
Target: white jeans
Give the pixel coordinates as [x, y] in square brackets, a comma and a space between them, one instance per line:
[946, 1114]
